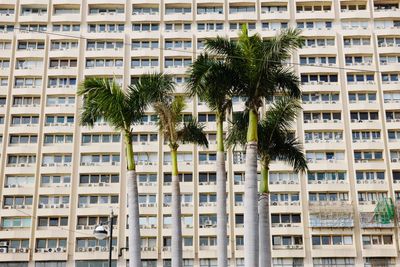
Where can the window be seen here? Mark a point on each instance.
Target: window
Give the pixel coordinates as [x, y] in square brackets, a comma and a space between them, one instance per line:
[141, 27]
[90, 222]
[390, 77]
[84, 200]
[183, 177]
[50, 264]
[97, 179]
[317, 117]
[32, 27]
[59, 120]
[100, 138]
[50, 160]
[325, 177]
[142, 158]
[21, 160]
[328, 196]
[365, 176]
[333, 262]
[312, 43]
[18, 202]
[63, 45]
[321, 240]
[100, 159]
[148, 10]
[319, 78]
[16, 222]
[95, 10]
[239, 25]
[364, 116]
[38, 11]
[23, 139]
[19, 180]
[102, 28]
[313, 25]
[103, 63]
[370, 197]
[209, 10]
[210, 26]
[279, 241]
[144, 44]
[55, 180]
[241, 9]
[144, 63]
[177, 10]
[177, 62]
[57, 139]
[66, 27]
[45, 222]
[62, 82]
[177, 44]
[21, 82]
[7, 28]
[370, 240]
[53, 201]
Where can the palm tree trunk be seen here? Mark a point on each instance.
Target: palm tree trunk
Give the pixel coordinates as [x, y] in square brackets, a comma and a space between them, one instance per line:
[221, 197]
[133, 206]
[176, 242]
[263, 211]
[251, 195]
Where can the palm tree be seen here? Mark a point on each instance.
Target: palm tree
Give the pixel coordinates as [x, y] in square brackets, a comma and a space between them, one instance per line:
[212, 81]
[104, 98]
[262, 73]
[275, 142]
[169, 109]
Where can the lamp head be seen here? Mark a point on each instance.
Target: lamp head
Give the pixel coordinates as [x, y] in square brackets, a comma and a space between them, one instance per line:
[100, 232]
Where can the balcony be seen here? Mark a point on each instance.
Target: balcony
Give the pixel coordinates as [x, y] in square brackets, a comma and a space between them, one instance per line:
[381, 12]
[356, 14]
[369, 220]
[325, 14]
[33, 17]
[331, 214]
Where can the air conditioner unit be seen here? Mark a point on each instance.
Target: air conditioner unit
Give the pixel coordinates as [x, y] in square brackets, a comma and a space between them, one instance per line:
[4, 244]
[82, 249]
[395, 159]
[23, 250]
[12, 250]
[103, 248]
[90, 249]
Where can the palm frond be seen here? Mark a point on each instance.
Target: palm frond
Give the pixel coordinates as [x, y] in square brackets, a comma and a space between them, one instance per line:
[222, 47]
[213, 81]
[289, 150]
[281, 46]
[177, 106]
[274, 137]
[103, 98]
[163, 110]
[192, 132]
[281, 115]
[154, 87]
[286, 81]
[237, 133]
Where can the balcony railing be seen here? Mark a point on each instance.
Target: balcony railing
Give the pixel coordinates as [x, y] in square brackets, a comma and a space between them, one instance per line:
[368, 220]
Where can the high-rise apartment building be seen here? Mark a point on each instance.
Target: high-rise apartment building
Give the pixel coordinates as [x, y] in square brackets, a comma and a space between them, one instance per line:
[58, 180]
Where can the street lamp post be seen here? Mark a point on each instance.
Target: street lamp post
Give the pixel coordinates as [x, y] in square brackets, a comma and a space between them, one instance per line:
[100, 232]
